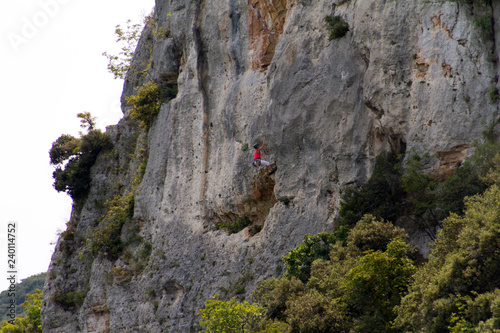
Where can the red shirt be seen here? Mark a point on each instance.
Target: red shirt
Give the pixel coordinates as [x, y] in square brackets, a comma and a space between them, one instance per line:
[256, 155]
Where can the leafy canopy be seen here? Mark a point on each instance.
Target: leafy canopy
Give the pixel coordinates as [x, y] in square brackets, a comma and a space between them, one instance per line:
[74, 157]
[458, 286]
[381, 196]
[32, 322]
[107, 237]
[235, 317]
[354, 288]
[299, 260]
[146, 104]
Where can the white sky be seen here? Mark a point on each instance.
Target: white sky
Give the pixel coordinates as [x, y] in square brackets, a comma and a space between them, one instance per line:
[52, 69]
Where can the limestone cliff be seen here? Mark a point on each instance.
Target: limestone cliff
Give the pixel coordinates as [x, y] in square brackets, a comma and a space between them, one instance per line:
[409, 75]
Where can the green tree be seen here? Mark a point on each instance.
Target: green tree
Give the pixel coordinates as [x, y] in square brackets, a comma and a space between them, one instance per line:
[381, 196]
[32, 322]
[74, 157]
[118, 65]
[466, 181]
[372, 234]
[376, 284]
[354, 289]
[33, 307]
[298, 260]
[86, 120]
[422, 196]
[235, 317]
[26, 286]
[465, 264]
[273, 294]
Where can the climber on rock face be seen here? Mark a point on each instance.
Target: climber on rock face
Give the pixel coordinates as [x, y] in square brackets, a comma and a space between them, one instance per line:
[257, 161]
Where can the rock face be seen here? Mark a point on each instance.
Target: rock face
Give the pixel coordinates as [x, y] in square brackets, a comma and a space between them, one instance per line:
[265, 26]
[410, 76]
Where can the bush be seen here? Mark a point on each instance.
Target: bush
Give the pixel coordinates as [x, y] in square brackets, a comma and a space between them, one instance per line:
[273, 295]
[146, 104]
[107, 237]
[232, 316]
[69, 300]
[370, 234]
[337, 27]
[168, 91]
[233, 227]
[464, 183]
[377, 283]
[314, 312]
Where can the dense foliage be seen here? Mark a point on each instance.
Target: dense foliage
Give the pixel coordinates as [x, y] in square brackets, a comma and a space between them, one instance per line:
[299, 260]
[380, 196]
[355, 288]
[393, 191]
[26, 286]
[107, 237]
[32, 322]
[337, 27]
[364, 276]
[74, 157]
[146, 104]
[458, 287]
[236, 317]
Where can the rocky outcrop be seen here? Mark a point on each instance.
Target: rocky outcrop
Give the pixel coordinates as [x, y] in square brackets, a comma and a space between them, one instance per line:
[265, 26]
[411, 76]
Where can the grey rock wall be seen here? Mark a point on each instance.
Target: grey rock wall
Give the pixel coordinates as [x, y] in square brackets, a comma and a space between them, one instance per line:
[408, 76]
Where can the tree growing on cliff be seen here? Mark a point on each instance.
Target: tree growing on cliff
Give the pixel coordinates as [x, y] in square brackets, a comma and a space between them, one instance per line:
[337, 27]
[74, 157]
[86, 121]
[118, 65]
[381, 196]
[146, 104]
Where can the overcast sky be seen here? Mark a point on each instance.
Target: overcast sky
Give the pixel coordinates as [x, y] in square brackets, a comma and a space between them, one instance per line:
[52, 69]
